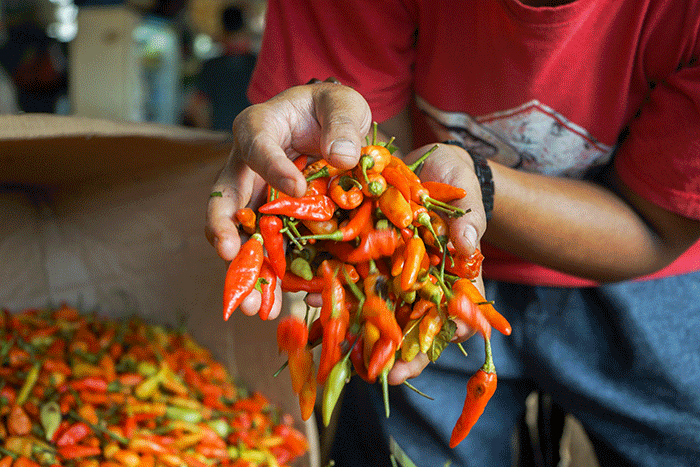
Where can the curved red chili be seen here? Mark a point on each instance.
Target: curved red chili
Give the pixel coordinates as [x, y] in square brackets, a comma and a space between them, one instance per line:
[267, 283]
[242, 274]
[273, 239]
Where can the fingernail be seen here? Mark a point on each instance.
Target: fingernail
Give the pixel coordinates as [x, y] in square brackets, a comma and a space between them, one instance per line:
[470, 235]
[344, 152]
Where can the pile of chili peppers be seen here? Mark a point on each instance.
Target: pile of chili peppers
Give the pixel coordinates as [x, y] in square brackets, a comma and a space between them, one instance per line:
[373, 241]
[80, 391]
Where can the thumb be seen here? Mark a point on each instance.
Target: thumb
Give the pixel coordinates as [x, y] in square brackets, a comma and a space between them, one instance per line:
[453, 165]
[345, 119]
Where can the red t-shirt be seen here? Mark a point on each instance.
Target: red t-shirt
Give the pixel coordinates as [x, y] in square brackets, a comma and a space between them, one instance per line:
[547, 90]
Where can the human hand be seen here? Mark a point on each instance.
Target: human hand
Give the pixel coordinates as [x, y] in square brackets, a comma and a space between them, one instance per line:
[324, 119]
[452, 165]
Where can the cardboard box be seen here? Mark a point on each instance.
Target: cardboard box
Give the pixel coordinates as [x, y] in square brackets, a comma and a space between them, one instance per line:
[109, 216]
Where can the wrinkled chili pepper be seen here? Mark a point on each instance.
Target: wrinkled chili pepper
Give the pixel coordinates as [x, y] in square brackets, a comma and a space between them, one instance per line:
[382, 356]
[300, 364]
[376, 311]
[346, 192]
[467, 267]
[273, 240]
[242, 274]
[313, 208]
[480, 388]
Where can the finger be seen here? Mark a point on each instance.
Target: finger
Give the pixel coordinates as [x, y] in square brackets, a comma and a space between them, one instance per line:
[453, 165]
[251, 304]
[231, 191]
[314, 300]
[265, 156]
[402, 370]
[345, 119]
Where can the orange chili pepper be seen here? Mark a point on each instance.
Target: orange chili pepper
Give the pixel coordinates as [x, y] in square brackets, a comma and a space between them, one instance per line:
[318, 186]
[18, 422]
[414, 253]
[480, 388]
[396, 179]
[346, 192]
[242, 274]
[494, 318]
[395, 207]
[246, 217]
[444, 192]
[467, 267]
[294, 283]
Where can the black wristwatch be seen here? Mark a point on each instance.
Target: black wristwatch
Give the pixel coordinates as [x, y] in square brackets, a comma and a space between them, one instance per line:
[483, 174]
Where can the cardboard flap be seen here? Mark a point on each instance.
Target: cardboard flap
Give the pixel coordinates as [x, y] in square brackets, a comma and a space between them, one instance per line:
[54, 151]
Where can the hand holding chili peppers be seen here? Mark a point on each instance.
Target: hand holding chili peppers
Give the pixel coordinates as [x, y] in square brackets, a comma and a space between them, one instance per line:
[392, 261]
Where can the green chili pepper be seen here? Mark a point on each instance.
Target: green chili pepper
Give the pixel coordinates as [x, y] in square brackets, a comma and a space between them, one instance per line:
[334, 386]
[183, 413]
[29, 383]
[220, 426]
[301, 268]
[50, 417]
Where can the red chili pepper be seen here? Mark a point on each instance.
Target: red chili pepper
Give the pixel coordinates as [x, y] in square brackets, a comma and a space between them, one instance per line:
[444, 192]
[78, 451]
[294, 283]
[318, 186]
[467, 267]
[242, 274]
[480, 388]
[375, 244]
[331, 352]
[270, 227]
[292, 334]
[358, 361]
[382, 355]
[494, 318]
[74, 434]
[346, 192]
[267, 283]
[313, 208]
[376, 311]
[395, 207]
[246, 217]
[90, 383]
[460, 306]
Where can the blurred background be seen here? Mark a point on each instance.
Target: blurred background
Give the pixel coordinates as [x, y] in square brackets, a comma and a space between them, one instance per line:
[182, 62]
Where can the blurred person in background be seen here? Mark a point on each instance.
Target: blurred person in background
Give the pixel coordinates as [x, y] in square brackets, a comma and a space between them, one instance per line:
[220, 87]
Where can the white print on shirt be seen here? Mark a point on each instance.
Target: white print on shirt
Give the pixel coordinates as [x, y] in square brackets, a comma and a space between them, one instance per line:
[532, 137]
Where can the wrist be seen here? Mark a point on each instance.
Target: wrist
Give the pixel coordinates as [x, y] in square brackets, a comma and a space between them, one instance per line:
[483, 175]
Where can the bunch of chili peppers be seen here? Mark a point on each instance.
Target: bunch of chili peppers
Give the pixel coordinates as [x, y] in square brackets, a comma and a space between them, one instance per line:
[79, 391]
[373, 241]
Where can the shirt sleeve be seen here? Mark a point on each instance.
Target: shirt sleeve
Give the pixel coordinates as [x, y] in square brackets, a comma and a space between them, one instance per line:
[367, 45]
[660, 158]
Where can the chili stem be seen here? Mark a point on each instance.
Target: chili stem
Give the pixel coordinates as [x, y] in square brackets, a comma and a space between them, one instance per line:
[488, 367]
[418, 391]
[461, 347]
[422, 159]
